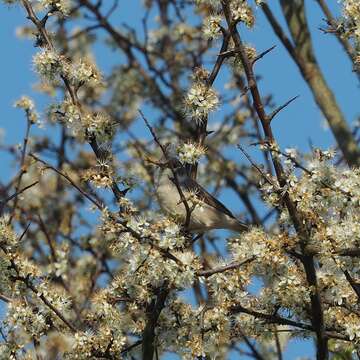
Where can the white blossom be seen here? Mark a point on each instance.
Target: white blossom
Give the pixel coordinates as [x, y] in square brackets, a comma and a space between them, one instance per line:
[62, 6]
[190, 153]
[48, 64]
[212, 27]
[201, 100]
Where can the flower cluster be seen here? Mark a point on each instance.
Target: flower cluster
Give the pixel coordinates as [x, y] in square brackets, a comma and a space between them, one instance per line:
[83, 72]
[48, 64]
[99, 124]
[212, 27]
[69, 115]
[62, 6]
[201, 100]
[83, 124]
[351, 9]
[23, 318]
[236, 62]
[100, 177]
[7, 234]
[190, 153]
[87, 344]
[168, 235]
[25, 103]
[28, 105]
[241, 11]
[351, 25]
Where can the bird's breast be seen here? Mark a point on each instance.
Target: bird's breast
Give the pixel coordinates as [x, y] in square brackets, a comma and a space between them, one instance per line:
[168, 195]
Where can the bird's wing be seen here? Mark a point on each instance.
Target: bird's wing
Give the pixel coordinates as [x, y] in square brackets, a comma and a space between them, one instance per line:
[192, 186]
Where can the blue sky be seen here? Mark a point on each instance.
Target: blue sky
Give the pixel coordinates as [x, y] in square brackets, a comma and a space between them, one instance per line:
[300, 123]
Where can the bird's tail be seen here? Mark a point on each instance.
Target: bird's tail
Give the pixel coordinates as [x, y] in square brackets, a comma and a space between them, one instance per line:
[237, 226]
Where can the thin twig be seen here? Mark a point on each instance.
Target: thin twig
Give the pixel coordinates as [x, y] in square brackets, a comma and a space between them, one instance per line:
[277, 110]
[19, 192]
[234, 265]
[24, 232]
[48, 238]
[261, 55]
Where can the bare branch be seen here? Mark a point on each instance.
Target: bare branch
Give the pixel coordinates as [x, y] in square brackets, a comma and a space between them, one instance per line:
[234, 265]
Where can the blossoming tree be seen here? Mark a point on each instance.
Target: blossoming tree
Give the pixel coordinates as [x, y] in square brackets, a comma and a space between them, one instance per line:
[90, 269]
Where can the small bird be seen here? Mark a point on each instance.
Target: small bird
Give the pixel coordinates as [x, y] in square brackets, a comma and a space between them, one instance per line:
[206, 212]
